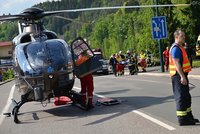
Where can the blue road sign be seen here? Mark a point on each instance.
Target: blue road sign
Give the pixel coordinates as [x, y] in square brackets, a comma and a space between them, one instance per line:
[159, 28]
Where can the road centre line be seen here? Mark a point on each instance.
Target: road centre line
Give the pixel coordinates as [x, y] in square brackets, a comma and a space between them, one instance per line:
[9, 102]
[156, 121]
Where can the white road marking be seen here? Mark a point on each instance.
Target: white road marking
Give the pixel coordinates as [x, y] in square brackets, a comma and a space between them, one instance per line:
[77, 88]
[5, 109]
[98, 95]
[160, 123]
[132, 78]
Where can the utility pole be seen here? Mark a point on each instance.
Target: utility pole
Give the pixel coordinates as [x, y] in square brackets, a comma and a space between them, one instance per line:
[159, 42]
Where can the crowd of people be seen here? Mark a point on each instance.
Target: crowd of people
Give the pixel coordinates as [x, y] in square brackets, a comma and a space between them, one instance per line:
[120, 60]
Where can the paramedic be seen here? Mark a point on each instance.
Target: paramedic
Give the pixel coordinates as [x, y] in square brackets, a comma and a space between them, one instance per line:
[87, 86]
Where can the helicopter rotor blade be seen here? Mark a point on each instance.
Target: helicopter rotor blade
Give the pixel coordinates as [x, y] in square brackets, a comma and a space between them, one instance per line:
[35, 13]
[2, 18]
[115, 7]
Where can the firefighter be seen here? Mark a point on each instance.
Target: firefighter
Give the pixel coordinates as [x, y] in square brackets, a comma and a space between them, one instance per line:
[87, 86]
[179, 67]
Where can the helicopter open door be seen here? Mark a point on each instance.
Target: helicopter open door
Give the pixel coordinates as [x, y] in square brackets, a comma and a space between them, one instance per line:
[87, 65]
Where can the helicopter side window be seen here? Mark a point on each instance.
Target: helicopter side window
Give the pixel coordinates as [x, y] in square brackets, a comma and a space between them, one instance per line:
[50, 35]
[83, 58]
[80, 49]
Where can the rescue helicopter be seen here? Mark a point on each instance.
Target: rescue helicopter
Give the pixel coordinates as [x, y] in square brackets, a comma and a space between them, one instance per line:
[45, 65]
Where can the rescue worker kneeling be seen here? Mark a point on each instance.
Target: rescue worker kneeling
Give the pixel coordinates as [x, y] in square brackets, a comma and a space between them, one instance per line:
[87, 86]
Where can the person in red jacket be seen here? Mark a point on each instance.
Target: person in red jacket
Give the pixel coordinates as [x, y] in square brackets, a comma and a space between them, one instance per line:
[166, 58]
[87, 86]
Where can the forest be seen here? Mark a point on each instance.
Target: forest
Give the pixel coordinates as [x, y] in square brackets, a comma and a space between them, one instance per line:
[118, 29]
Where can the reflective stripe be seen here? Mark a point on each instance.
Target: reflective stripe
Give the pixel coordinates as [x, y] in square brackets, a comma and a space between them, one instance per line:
[189, 109]
[181, 113]
[186, 64]
[187, 70]
[172, 67]
[142, 56]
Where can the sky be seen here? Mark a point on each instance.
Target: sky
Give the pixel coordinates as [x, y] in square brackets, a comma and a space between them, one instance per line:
[17, 6]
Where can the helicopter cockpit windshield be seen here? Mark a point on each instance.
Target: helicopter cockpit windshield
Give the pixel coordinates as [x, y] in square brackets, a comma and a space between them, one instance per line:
[42, 55]
[36, 56]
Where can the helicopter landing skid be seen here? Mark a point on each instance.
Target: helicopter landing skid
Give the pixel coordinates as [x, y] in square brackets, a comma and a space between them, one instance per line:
[79, 105]
[17, 105]
[16, 110]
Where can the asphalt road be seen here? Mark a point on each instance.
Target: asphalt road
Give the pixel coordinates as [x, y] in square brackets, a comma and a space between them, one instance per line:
[147, 107]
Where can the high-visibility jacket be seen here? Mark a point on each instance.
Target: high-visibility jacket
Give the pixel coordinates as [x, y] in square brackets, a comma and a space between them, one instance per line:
[81, 59]
[142, 56]
[185, 63]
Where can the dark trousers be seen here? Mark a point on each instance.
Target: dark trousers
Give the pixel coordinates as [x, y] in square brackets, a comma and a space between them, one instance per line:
[182, 96]
[114, 69]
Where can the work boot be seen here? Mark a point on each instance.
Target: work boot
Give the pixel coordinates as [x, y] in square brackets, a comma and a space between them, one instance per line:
[196, 120]
[184, 121]
[83, 100]
[191, 117]
[143, 70]
[90, 103]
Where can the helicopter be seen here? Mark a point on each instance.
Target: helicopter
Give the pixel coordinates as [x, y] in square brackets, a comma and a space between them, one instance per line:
[44, 65]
